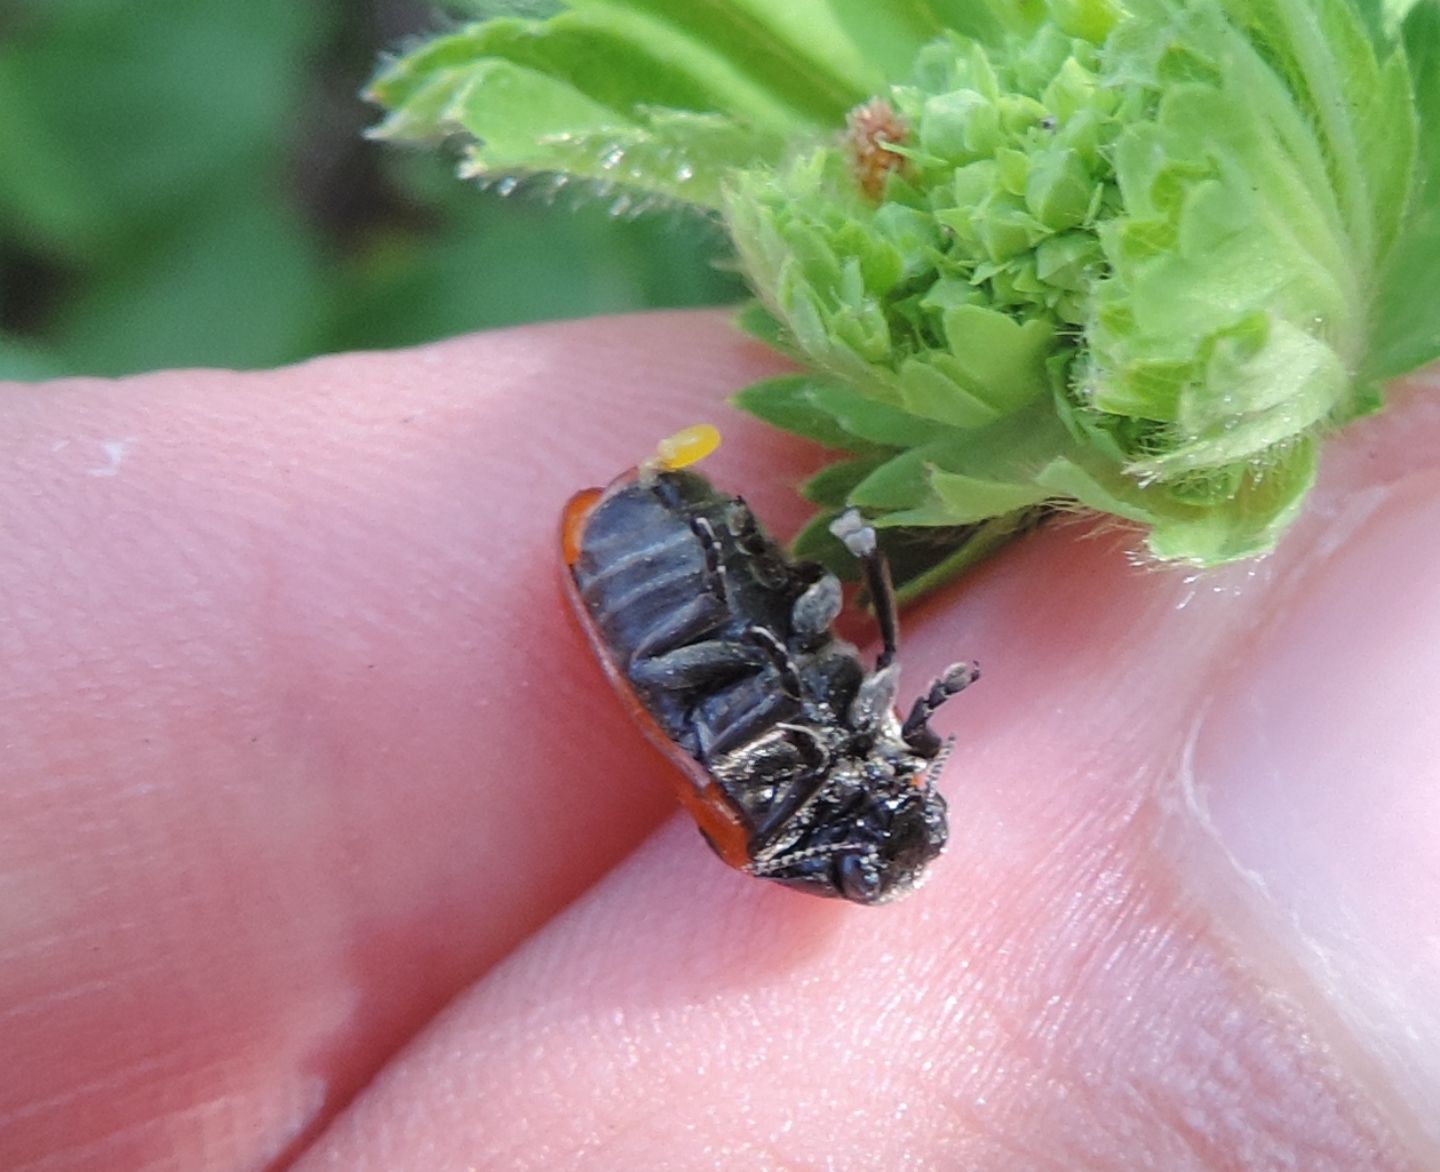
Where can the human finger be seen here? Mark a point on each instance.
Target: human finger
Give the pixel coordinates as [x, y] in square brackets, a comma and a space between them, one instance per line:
[1119, 963]
[298, 737]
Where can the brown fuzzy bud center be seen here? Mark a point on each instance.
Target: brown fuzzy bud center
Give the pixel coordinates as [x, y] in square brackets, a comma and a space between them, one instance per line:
[871, 129]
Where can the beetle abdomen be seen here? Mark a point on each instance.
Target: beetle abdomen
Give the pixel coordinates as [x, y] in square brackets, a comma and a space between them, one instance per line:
[676, 579]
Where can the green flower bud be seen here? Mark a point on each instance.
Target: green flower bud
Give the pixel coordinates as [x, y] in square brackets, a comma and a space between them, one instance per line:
[1136, 221]
[1137, 255]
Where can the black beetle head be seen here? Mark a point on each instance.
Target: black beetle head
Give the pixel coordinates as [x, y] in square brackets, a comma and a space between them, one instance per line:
[870, 854]
[895, 865]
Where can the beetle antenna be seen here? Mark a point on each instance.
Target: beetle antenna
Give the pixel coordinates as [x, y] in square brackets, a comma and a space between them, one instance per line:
[859, 539]
[916, 731]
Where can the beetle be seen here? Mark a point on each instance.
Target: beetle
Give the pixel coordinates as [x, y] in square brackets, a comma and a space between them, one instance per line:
[791, 757]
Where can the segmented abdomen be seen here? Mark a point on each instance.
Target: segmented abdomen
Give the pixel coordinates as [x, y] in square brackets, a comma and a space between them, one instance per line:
[676, 578]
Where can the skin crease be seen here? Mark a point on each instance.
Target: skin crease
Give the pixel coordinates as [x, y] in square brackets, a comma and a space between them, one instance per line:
[322, 842]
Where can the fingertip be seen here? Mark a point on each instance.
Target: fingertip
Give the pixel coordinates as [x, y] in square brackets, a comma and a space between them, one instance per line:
[309, 619]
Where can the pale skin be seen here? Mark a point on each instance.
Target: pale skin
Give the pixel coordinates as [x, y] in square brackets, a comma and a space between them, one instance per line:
[323, 842]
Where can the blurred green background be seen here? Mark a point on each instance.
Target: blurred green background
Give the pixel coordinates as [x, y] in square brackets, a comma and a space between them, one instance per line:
[186, 182]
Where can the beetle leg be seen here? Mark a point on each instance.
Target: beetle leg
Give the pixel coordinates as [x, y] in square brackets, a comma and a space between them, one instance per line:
[874, 699]
[916, 729]
[714, 554]
[698, 664]
[784, 769]
[747, 726]
[741, 523]
[774, 826]
[859, 539]
[816, 609]
[701, 614]
[779, 656]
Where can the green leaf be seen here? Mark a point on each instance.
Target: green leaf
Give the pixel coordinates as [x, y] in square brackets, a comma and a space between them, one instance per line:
[494, 89]
[1248, 523]
[1001, 359]
[795, 53]
[920, 559]
[1392, 14]
[755, 321]
[963, 550]
[111, 116]
[526, 120]
[832, 486]
[660, 96]
[488, 9]
[672, 154]
[1406, 322]
[900, 482]
[492, 262]
[618, 56]
[605, 65]
[968, 498]
[1330, 63]
[249, 279]
[790, 402]
[585, 101]
[867, 419]
[1097, 487]
[934, 388]
[1012, 449]
[24, 362]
